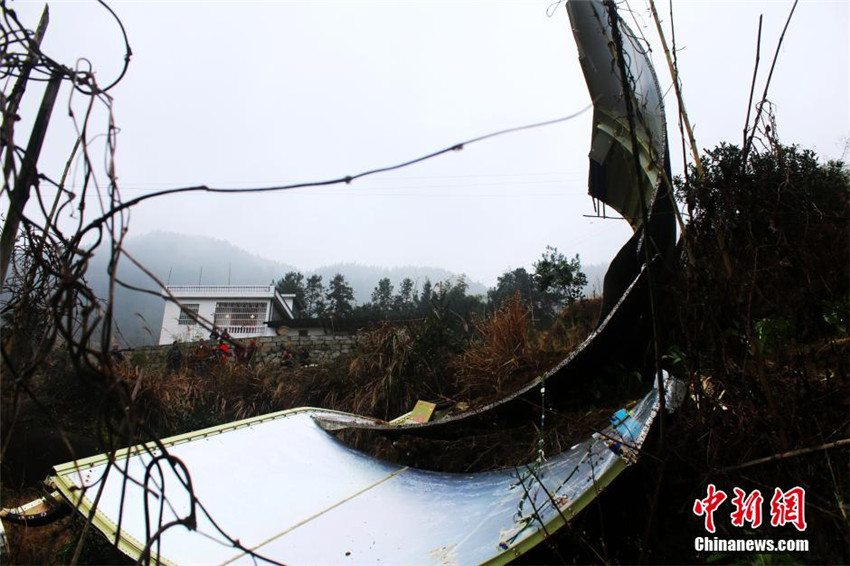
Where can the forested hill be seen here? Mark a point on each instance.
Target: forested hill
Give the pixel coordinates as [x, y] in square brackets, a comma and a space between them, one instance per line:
[363, 278]
[180, 259]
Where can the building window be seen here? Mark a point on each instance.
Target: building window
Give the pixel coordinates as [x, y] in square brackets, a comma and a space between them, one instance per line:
[303, 332]
[185, 318]
[239, 318]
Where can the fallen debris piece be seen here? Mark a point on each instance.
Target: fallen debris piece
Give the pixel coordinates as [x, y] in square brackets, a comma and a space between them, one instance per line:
[200, 493]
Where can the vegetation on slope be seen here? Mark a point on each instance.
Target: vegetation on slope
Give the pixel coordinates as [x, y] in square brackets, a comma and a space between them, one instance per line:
[756, 320]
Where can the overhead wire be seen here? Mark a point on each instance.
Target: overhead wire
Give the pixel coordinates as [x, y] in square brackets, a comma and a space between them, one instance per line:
[346, 180]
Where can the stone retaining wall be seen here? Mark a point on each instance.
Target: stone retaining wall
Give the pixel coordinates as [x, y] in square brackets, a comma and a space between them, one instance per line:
[322, 348]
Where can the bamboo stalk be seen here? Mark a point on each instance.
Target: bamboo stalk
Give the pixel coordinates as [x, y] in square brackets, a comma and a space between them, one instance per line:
[674, 72]
[791, 454]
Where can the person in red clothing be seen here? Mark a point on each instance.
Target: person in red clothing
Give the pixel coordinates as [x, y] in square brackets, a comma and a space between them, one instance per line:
[224, 351]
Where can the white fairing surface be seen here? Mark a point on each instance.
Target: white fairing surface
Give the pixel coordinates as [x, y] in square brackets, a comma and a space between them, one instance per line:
[289, 492]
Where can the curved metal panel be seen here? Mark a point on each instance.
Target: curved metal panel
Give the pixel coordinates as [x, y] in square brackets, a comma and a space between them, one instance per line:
[291, 493]
[612, 163]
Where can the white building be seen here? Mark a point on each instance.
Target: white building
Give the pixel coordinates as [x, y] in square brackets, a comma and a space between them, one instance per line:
[244, 311]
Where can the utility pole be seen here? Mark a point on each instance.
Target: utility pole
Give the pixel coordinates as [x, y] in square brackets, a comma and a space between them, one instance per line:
[20, 193]
[10, 113]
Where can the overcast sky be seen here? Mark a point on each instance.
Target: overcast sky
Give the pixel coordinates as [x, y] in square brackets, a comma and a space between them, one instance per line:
[245, 94]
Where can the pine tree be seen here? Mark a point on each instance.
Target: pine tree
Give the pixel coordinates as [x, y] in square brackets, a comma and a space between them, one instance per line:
[405, 302]
[340, 297]
[382, 297]
[292, 284]
[314, 297]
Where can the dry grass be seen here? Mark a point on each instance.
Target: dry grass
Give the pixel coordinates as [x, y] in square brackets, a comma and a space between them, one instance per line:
[173, 401]
[507, 352]
[573, 325]
[383, 367]
[504, 346]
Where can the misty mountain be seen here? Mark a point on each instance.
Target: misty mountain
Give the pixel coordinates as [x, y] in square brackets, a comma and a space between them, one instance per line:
[595, 273]
[178, 259]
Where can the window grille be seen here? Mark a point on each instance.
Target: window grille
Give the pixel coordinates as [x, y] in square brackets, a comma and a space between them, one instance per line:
[239, 318]
[185, 318]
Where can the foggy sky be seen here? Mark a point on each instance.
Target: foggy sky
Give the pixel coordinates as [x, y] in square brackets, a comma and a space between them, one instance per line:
[246, 94]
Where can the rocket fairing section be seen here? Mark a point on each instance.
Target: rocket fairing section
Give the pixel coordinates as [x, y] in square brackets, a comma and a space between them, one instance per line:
[281, 489]
[612, 168]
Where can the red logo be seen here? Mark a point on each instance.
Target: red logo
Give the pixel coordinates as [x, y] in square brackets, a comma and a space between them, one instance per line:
[747, 508]
[788, 507]
[785, 507]
[709, 505]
